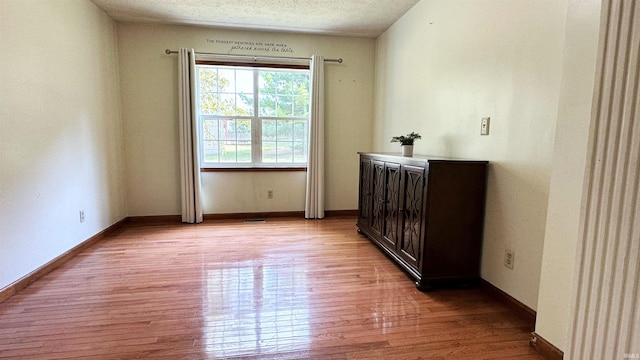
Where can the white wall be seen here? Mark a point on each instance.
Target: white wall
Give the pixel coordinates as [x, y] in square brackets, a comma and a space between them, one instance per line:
[150, 111]
[446, 64]
[567, 177]
[60, 130]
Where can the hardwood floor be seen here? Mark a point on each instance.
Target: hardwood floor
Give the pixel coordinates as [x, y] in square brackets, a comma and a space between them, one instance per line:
[282, 289]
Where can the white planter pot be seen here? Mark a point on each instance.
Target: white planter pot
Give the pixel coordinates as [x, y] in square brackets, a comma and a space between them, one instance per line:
[407, 150]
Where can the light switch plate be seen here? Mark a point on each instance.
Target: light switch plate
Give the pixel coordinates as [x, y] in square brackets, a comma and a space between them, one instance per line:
[484, 125]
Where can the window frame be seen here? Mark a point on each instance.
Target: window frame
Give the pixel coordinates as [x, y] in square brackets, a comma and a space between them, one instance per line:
[256, 136]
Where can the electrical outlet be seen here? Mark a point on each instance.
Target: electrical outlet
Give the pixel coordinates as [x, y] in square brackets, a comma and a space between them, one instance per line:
[484, 125]
[509, 258]
[81, 216]
[269, 194]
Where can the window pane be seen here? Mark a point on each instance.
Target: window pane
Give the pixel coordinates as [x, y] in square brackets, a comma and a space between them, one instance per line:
[235, 141]
[210, 146]
[268, 130]
[267, 105]
[244, 151]
[244, 130]
[285, 106]
[284, 93]
[300, 152]
[230, 92]
[269, 151]
[244, 140]
[227, 104]
[228, 153]
[285, 130]
[208, 79]
[244, 81]
[301, 80]
[301, 106]
[210, 129]
[266, 81]
[208, 103]
[282, 83]
[267, 91]
[285, 152]
[226, 80]
[300, 130]
[211, 151]
[244, 92]
[228, 145]
[244, 105]
[290, 143]
[228, 130]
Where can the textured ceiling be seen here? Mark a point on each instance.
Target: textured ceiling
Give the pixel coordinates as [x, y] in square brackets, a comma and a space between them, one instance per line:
[361, 18]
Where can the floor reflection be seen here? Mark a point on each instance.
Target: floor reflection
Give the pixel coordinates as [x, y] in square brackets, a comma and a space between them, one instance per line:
[253, 308]
[391, 311]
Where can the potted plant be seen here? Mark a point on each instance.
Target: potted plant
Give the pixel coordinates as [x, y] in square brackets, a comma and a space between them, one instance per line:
[406, 142]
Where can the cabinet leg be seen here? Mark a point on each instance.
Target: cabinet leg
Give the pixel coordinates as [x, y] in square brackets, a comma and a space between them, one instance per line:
[468, 284]
[423, 287]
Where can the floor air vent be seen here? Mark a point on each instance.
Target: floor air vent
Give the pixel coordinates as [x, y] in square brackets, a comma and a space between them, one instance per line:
[253, 221]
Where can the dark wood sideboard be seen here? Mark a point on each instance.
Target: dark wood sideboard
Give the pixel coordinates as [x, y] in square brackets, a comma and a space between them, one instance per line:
[426, 213]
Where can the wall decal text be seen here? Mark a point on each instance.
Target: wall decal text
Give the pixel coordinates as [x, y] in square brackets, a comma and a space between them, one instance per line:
[263, 46]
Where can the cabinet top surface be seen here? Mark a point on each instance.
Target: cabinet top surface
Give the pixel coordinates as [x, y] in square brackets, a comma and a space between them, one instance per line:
[397, 156]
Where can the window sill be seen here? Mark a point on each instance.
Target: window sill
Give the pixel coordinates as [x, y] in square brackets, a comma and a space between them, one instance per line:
[253, 169]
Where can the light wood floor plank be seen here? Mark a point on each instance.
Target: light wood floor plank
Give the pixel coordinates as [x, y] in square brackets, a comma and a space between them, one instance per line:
[283, 289]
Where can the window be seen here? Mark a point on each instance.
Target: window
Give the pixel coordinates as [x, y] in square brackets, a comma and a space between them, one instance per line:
[253, 116]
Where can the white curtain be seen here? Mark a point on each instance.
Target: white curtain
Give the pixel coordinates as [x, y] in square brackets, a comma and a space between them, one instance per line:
[189, 161]
[314, 204]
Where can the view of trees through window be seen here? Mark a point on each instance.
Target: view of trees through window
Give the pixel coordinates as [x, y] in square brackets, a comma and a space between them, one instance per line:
[253, 116]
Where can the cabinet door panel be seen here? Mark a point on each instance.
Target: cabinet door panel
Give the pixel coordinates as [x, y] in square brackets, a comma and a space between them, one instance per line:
[364, 198]
[392, 205]
[411, 243]
[377, 198]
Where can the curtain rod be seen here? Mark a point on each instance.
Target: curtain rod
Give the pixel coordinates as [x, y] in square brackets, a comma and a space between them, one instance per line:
[254, 57]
